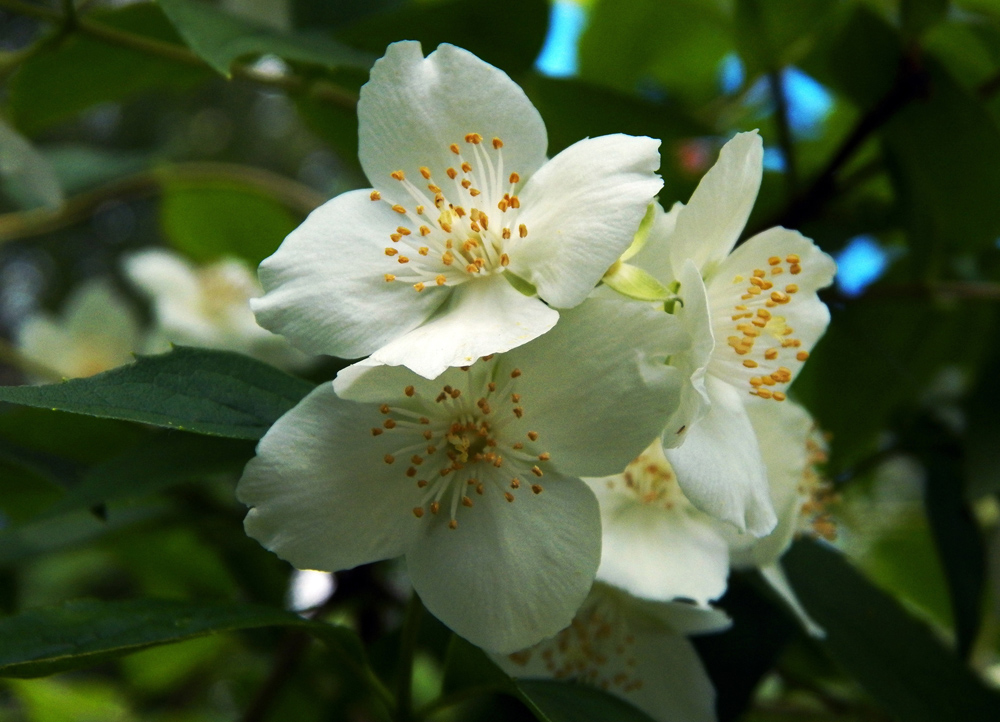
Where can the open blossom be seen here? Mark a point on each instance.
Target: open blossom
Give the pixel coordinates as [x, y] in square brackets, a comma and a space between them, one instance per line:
[753, 315]
[96, 332]
[470, 239]
[473, 477]
[658, 546]
[207, 306]
[633, 648]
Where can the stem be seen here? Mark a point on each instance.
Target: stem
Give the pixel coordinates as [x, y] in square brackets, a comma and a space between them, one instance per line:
[911, 83]
[407, 648]
[293, 195]
[784, 129]
[323, 90]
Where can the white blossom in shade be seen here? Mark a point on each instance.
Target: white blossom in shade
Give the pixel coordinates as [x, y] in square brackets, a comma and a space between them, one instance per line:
[207, 306]
[753, 315]
[658, 546]
[96, 331]
[470, 238]
[633, 648]
[473, 477]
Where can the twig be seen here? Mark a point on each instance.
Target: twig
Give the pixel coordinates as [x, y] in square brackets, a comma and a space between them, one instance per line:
[292, 194]
[407, 648]
[911, 83]
[324, 90]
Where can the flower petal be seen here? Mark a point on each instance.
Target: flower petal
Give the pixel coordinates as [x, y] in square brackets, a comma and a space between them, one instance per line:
[412, 108]
[654, 257]
[775, 576]
[692, 362]
[581, 211]
[321, 493]
[325, 286]
[710, 224]
[719, 466]
[656, 553]
[596, 387]
[511, 574]
[763, 302]
[481, 317]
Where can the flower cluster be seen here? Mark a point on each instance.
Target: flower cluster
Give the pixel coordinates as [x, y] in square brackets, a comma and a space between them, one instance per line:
[564, 383]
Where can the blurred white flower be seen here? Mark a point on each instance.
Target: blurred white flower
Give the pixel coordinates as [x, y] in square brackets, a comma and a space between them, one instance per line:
[96, 331]
[760, 299]
[471, 238]
[474, 477]
[633, 648]
[207, 306]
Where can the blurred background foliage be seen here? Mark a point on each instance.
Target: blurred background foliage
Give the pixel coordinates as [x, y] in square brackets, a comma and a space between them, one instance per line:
[214, 128]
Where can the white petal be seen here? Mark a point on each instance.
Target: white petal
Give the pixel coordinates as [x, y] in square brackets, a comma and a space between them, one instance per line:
[719, 466]
[775, 576]
[582, 209]
[783, 431]
[659, 554]
[511, 574]
[413, 108]
[655, 257]
[642, 658]
[692, 362]
[779, 308]
[325, 286]
[596, 387]
[482, 317]
[711, 223]
[321, 493]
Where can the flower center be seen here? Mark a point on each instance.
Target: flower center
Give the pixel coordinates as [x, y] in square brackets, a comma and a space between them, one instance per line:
[814, 516]
[463, 443]
[650, 479]
[596, 648]
[764, 342]
[464, 232]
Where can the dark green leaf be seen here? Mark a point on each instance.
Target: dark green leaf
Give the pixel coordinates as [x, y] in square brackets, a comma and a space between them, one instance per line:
[945, 157]
[207, 392]
[917, 16]
[221, 39]
[466, 665]
[166, 459]
[506, 34]
[898, 659]
[771, 34]
[41, 642]
[82, 71]
[554, 701]
[209, 220]
[634, 44]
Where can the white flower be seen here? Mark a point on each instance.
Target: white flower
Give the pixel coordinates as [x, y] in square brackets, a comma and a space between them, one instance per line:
[208, 306]
[96, 332]
[472, 477]
[658, 546]
[635, 649]
[424, 270]
[753, 315]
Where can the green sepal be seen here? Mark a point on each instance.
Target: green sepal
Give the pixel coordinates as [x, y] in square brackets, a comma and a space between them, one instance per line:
[635, 283]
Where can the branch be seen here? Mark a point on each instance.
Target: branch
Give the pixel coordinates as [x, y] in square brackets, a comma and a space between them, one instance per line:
[292, 194]
[323, 90]
[911, 83]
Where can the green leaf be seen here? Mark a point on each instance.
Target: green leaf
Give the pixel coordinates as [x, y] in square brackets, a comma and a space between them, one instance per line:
[206, 392]
[917, 16]
[898, 659]
[40, 642]
[163, 461]
[555, 701]
[944, 154]
[771, 34]
[207, 220]
[25, 174]
[505, 33]
[81, 72]
[677, 45]
[221, 39]
[467, 666]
